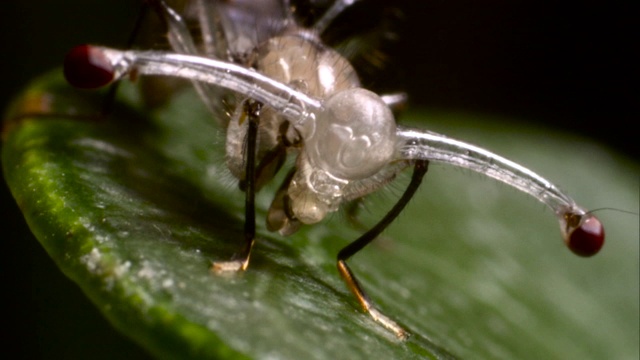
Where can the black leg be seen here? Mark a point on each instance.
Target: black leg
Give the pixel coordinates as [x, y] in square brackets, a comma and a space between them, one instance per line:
[110, 96]
[241, 260]
[280, 217]
[420, 169]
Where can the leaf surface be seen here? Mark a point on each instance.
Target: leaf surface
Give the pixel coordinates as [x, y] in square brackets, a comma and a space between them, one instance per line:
[135, 207]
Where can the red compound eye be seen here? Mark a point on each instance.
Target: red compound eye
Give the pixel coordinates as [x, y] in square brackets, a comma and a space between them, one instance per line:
[586, 239]
[87, 67]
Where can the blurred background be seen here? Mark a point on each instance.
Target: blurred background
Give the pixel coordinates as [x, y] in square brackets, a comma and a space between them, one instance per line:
[568, 65]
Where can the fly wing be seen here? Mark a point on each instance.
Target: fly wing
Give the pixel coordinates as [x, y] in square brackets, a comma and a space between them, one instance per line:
[248, 23]
[231, 31]
[368, 34]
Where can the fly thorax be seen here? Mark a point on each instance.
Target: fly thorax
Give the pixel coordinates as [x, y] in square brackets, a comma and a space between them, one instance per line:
[303, 64]
[306, 65]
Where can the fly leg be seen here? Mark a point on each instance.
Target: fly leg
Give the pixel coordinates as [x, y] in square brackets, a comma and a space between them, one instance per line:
[241, 260]
[352, 212]
[420, 169]
[110, 97]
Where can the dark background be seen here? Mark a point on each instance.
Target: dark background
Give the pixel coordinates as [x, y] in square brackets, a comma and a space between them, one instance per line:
[567, 65]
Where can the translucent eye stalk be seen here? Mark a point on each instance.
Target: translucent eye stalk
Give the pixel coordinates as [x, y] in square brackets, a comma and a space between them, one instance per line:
[582, 232]
[89, 66]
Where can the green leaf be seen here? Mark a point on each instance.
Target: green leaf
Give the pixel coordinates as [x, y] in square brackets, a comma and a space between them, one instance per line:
[135, 207]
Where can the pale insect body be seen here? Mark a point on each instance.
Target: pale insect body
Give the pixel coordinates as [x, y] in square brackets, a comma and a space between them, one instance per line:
[298, 95]
[264, 35]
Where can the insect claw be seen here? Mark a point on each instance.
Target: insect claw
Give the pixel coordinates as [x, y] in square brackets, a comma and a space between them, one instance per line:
[391, 325]
[221, 267]
[240, 262]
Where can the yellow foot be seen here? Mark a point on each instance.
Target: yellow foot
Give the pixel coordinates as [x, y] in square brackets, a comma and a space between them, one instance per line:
[230, 266]
[391, 325]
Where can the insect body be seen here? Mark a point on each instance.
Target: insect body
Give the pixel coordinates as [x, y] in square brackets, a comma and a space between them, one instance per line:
[297, 96]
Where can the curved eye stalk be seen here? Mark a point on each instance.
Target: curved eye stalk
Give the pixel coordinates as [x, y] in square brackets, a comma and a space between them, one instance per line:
[350, 136]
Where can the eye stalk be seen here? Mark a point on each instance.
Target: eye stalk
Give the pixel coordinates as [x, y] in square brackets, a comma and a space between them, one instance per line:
[87, 67]
[582, 232]
[91, 67]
